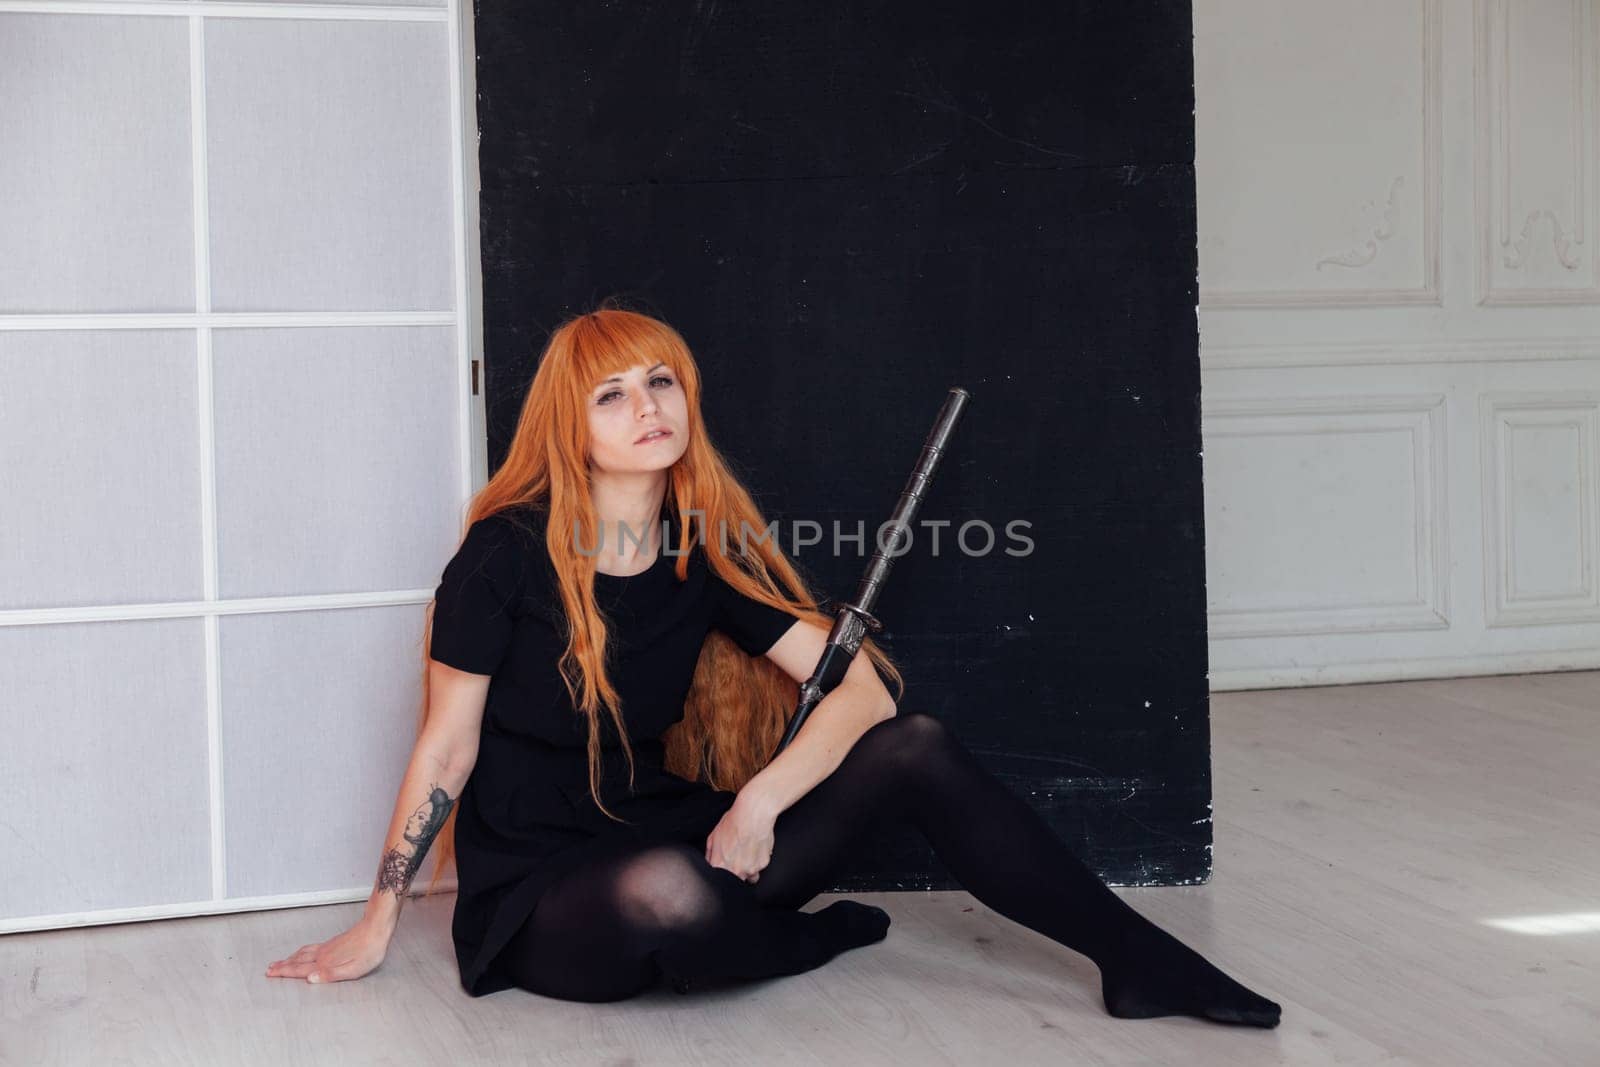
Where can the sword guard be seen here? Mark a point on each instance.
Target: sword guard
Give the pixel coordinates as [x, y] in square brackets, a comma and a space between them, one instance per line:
[871, 620]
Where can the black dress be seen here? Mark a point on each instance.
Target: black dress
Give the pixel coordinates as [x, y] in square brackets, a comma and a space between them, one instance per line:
[525, 815]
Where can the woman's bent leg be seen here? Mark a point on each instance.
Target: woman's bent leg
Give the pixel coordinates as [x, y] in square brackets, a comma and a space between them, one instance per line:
[911, 768]
[609, 929]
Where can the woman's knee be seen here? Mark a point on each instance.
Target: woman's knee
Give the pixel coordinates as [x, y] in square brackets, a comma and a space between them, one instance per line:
[914, 735]
[900, 752]
[921, 727]
[666, 887]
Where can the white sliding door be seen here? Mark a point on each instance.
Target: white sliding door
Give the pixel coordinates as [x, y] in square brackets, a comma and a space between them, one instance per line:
[237, 432]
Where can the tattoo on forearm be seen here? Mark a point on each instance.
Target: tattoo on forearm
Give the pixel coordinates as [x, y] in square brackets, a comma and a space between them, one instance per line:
[397, 868]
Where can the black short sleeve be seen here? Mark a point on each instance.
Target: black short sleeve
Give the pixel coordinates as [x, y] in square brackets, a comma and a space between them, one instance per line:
[479, 598]
[754, 626]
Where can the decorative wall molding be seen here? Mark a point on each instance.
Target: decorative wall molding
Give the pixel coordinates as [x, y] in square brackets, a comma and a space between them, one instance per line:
[1497, 234]
[1405, 668]
[1291, 355]
[1423, 607]
[1368, 252]
[1516, 252]
[1428, 293]
[1541, 598]
[1501, 415]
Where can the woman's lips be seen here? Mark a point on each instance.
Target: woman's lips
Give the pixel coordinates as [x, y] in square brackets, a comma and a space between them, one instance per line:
[662, 436]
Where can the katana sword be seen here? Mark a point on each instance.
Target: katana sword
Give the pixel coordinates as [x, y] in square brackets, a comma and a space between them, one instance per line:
[855, 618]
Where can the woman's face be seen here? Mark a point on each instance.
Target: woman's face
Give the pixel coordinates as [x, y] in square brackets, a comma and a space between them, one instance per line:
[415, 825]
[625, 408]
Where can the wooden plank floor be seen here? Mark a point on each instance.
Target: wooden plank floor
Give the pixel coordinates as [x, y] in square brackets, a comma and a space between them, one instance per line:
[1367, 838]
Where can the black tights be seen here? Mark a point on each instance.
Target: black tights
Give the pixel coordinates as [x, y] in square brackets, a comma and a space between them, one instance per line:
[609, 929]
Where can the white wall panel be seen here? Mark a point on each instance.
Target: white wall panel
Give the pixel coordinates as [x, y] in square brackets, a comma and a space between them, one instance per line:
[99, 468]
[383, 3]
[1536, 153]
[94, 163]
[320, 712]
[1541, 468]
[334, 452]
[105, 757]
[1339, 211]
[1468, 304]
[328, 147]
[1360, 480]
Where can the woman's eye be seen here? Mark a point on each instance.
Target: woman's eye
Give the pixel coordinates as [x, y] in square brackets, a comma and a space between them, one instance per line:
[605, 398]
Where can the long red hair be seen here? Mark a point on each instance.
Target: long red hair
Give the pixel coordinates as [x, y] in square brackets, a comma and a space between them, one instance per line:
[738, 705]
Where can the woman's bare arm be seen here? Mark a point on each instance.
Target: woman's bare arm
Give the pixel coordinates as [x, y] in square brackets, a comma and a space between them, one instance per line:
[440, 764]
[859, 702]
[432, 784]
[441, 761]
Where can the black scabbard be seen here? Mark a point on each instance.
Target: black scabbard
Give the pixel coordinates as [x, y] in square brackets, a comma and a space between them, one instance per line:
[855, 619]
